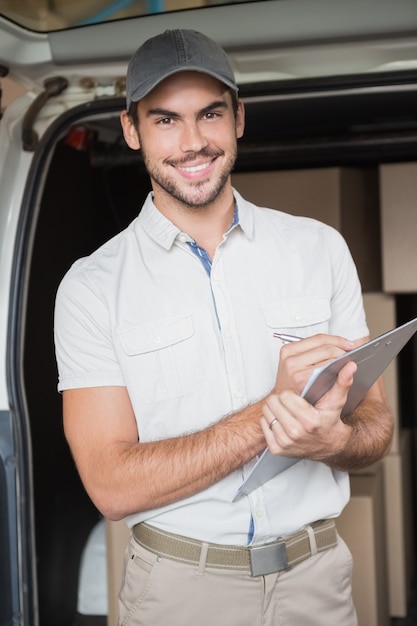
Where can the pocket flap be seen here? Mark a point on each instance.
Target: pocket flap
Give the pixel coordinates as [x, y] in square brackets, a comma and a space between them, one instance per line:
[156, 335]
[297, 313]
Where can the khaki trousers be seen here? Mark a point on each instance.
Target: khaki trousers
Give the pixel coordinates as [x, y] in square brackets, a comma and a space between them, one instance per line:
[160, 592]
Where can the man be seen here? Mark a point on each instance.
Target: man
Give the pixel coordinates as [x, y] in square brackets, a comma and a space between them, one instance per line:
[173, 383]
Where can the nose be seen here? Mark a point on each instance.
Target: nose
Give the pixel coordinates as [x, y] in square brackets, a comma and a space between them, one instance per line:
[192, 137]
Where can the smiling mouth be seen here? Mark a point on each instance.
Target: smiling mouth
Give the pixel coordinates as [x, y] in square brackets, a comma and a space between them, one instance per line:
[196, 162]
[193, 169]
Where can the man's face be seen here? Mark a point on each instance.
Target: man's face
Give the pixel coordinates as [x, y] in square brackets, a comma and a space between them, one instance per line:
[187, 133]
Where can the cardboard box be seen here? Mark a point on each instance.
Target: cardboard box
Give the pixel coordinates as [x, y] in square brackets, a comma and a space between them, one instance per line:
[362, 526]
[400, 526]
[398, 192]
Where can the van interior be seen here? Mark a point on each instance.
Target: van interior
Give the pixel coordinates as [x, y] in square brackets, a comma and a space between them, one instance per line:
[86, 186]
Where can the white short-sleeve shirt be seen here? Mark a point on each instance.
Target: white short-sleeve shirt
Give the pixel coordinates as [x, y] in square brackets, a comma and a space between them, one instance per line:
[191, 348]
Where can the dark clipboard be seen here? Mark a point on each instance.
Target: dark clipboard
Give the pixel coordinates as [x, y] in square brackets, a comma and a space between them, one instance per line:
[372, 358]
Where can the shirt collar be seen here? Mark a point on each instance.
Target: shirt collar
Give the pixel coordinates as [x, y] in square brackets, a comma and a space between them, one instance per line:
[164, 232]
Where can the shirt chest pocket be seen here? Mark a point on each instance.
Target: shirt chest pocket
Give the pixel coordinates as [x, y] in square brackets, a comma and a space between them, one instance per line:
[160, 359]
[301, 317]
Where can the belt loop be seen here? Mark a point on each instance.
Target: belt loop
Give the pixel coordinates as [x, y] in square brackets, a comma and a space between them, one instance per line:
[203, 559]
[312, 540]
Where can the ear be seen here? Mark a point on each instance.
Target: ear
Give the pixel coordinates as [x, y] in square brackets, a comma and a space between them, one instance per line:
[129, 131]
[240, 119]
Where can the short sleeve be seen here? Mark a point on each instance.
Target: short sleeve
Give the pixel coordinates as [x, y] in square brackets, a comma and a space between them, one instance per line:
[348, 315]
[83, 336]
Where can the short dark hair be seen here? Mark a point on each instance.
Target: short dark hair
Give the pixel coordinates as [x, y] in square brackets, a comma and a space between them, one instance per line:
[133, 114]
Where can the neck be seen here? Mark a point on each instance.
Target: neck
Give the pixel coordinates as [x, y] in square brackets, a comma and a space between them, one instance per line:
[207, 224]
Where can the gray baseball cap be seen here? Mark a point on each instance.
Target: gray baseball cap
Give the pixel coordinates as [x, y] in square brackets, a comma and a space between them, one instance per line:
[171, 52]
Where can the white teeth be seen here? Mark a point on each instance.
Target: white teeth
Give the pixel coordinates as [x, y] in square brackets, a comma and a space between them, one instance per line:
[195, 168]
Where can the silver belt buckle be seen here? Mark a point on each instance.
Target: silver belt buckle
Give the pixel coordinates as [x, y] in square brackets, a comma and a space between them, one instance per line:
[268, 559]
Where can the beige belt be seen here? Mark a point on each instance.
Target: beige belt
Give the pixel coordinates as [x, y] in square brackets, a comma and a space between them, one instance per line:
[257, 560]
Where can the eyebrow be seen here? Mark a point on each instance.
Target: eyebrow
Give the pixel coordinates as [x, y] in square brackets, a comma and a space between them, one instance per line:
[220, 104]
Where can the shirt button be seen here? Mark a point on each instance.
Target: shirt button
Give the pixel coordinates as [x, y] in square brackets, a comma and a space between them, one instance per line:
[157, 339]
[182, 237]
[239, 393]
[298, 318]
[259, 513]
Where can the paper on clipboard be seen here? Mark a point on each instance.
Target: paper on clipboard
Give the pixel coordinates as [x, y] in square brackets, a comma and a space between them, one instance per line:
[371, 358]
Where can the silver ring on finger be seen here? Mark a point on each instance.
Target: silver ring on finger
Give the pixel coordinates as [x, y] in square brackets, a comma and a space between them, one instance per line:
[274, 421]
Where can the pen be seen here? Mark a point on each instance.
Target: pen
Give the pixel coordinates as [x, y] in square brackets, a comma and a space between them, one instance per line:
[287, 338]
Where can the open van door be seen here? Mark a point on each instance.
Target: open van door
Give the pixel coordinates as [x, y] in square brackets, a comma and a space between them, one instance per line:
[308, 69]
